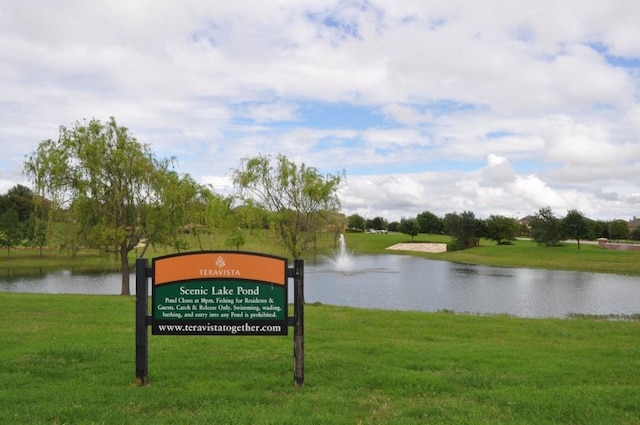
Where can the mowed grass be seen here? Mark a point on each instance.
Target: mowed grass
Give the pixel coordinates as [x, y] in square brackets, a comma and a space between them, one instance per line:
[70, 359]
[521, 253]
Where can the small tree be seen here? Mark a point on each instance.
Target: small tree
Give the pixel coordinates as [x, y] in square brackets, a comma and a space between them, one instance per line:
[575, 226]
[235, 239]
[409, 226]
[500, 228]
[545, 228]
[12, 231]
[297, 196]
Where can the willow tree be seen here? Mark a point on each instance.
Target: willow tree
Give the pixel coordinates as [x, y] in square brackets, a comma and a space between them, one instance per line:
[299, 198]
[108, 182]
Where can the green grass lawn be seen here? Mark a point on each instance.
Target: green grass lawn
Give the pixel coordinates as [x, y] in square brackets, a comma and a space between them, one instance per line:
[70, 359]
[522, 253]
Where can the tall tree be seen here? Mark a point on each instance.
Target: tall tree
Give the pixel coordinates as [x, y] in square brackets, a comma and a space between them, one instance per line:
[429, 222]
[576, 226]
[108, 182]
[501, 228]
[545, 227]
[463, 228]
[297, 196]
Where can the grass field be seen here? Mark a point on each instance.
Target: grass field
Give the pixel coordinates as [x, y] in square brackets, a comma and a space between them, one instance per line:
[69, 359]
[522, 253]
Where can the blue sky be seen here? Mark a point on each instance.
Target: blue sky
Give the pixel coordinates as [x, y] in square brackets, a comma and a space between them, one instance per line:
[502, 107]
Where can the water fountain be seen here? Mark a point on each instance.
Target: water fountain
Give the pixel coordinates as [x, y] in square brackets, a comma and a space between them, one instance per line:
[342, 259]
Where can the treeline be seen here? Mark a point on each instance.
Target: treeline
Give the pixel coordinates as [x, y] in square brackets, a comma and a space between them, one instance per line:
[466, 230]
[27, 220]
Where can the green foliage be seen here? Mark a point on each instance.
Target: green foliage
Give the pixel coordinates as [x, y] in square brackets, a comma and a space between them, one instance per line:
[464, 227]
[600, 228]
[500, 228]
[429, 222]
[298, 198]
[455, 245]
[409, 226]
[393, 226]
[112, 190]
[12, 230]
[235, 239]
[19, 198]
[18, 218]
[377, 223]
[619, 229]
[546, 228]
[576, 226]
[356, 221]
[252, 217]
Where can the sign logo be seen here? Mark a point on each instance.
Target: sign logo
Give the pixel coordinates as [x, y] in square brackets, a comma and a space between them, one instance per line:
[220, 262]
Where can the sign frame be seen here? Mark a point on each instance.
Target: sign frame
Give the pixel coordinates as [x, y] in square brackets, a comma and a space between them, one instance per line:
[219, 293]
[194, 272]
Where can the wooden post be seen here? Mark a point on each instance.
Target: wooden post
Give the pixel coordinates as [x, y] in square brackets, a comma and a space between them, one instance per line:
[142, 334]
[298, 330]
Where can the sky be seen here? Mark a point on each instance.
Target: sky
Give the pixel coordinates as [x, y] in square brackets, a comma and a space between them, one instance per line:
[498, 107]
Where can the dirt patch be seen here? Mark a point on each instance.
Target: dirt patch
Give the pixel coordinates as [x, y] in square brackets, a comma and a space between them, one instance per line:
[422, 247]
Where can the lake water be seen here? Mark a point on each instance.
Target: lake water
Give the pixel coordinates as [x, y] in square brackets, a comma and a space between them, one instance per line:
[398, 282]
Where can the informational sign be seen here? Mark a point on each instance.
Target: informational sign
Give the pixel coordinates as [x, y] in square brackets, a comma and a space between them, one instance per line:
[219, 293]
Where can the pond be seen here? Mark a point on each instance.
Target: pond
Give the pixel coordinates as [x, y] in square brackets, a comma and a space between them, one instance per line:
[399, 282]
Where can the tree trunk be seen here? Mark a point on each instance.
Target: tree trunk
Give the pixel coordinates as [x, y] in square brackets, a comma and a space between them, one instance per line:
[124, 270]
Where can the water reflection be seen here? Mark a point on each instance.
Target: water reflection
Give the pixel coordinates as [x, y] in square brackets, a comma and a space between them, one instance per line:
[411, 283]
[397, 282]
[65, 282]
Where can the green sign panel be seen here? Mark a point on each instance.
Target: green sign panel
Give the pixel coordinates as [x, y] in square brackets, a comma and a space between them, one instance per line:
[220, 293]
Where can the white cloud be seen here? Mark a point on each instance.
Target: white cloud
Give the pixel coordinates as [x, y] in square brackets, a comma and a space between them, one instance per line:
[498, 170]
[499, 107]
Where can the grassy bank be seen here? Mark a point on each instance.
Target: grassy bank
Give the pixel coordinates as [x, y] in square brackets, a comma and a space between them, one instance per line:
[70, 359]
[521, 253]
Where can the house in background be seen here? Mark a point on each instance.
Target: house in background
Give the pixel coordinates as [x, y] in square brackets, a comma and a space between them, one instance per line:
[634, 224]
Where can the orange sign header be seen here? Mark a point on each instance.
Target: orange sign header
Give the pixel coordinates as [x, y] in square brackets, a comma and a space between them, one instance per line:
[220, 265]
